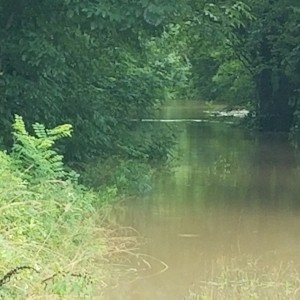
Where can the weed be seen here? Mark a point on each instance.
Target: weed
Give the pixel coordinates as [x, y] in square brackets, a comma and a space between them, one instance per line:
[51, 242]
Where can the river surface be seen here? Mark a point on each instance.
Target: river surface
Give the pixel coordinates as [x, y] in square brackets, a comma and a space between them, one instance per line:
[231, 203]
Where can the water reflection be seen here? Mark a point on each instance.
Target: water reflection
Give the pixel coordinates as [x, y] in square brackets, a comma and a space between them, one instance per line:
[232, 196]
[274, 171]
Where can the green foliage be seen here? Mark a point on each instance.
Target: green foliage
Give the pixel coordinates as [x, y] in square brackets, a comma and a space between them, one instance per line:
[89, 64]
[167, 54]
[34, 155]
[235, 85]
[133, 175]
[248, 52]
[218, 75]
[47, 221]
[129, 177]
[218, 72]
[268, 46]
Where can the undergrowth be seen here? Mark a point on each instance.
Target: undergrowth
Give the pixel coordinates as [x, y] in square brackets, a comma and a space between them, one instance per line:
[130, 177]
[52, 240]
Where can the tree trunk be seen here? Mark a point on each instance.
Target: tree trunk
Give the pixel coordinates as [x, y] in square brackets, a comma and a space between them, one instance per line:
[274, 93]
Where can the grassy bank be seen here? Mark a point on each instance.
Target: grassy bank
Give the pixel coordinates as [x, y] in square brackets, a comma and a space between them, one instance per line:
[53, 237]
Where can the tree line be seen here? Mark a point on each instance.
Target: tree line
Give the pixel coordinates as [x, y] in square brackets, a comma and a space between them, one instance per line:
[102, 66]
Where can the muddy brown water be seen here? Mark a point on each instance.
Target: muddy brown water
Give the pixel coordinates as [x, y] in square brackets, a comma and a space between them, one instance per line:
[232, 197]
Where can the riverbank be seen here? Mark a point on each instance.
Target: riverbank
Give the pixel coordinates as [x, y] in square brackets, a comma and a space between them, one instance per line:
[57, 239]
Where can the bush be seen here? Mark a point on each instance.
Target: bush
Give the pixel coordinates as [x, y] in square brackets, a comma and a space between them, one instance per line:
[129, 177]
[48, 229]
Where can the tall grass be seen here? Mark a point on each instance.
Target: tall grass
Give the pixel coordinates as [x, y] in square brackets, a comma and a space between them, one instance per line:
[53, 242]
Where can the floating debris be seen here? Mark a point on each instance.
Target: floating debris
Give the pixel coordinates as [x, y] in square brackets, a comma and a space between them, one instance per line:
[184, 121]
[188, 235]
[238, 113]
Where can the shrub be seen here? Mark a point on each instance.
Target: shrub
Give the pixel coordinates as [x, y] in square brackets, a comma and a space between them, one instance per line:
[48, 229]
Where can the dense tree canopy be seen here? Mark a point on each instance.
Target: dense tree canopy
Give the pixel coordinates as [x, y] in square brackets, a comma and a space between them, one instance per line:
[270, 49]
[257, 56]
[104, 65]
[94, 64]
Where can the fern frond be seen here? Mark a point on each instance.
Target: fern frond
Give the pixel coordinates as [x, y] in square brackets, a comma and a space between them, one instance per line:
[60, 131]
[39, 130]
[45, 144]
[19, 125]
[36, 151]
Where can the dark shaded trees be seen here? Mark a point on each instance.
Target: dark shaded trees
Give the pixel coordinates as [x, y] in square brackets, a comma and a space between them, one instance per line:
[100, 64]
[89, 63]
[271, 45]
[263, 36]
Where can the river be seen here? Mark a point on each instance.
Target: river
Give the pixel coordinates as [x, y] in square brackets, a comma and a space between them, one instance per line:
[224, 224]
